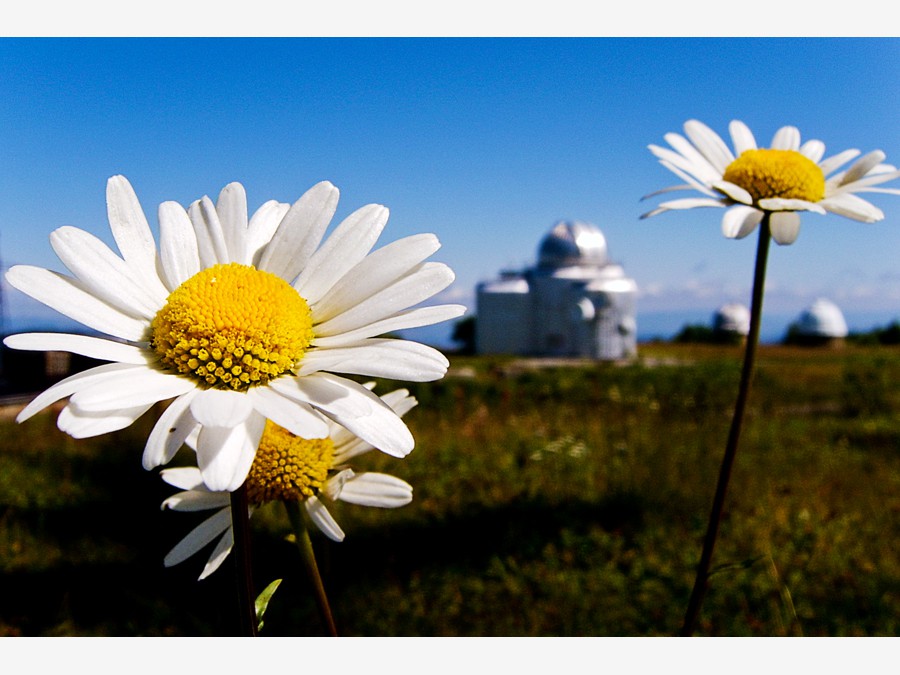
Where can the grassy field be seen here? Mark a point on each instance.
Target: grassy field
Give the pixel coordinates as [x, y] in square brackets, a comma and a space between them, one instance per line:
[567, 500]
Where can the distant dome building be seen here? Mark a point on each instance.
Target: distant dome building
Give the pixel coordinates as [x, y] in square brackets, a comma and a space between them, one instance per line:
[574, 302]
[733, 318]
[821, 323]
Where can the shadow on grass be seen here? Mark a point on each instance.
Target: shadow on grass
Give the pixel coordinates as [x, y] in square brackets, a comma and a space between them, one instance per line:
[109, 578]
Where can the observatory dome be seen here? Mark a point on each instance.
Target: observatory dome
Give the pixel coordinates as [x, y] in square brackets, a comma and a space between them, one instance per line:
[572, 243]
[732, 317]
[822, 319]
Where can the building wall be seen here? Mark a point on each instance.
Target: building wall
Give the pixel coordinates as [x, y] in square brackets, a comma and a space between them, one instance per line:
[559, 316]
[503, 323]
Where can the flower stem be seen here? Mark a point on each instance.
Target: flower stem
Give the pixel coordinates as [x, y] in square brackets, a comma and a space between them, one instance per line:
[715, 517]
[240, 519]
[304, 543]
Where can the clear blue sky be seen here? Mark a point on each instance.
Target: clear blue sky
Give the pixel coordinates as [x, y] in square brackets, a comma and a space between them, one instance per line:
[486, 142]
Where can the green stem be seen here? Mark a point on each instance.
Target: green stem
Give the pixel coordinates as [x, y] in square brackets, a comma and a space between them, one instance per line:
[715, 517]
[240, 521]
[304, 543]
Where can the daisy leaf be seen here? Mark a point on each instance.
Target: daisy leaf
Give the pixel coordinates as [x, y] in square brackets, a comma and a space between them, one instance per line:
[262, 601]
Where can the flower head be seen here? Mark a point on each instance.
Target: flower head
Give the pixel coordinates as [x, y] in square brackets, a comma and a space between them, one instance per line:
[287, 468]
[240, 320]
[781, 180]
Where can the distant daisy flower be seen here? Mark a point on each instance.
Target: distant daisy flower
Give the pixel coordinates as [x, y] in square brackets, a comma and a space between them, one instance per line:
[781, 180]
[287, 468]
[239, 320]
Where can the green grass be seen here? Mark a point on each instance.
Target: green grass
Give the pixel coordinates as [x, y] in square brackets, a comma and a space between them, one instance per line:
[552, 501]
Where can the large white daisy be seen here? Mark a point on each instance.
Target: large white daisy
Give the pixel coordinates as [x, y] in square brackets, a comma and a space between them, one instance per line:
[239, 320]
[781, 180]
[287, 468]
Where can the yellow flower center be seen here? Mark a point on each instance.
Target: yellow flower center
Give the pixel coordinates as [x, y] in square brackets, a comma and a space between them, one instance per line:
[287, 467]
[784, 174]
[232, 327]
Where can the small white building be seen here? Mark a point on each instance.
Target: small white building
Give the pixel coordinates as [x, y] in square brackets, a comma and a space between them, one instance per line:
[573, 303]
[821, 321]
[732, 317]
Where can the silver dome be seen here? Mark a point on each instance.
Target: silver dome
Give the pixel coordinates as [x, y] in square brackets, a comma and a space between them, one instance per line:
[573, 243]
[823, 319]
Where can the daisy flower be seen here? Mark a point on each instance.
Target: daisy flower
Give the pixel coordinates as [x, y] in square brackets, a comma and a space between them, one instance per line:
[781, 180]
[238, 320]
[287, 468]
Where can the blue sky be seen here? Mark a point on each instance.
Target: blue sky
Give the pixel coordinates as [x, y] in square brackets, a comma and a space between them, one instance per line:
[485, 142]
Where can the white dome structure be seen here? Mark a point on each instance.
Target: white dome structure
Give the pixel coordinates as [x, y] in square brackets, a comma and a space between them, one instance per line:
[732, 317]
[573, 303]
[822, 319]
[572, 243]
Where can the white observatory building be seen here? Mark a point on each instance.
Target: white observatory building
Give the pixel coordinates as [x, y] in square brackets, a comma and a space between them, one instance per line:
[820, 323]
[574, 303]
[733, 318]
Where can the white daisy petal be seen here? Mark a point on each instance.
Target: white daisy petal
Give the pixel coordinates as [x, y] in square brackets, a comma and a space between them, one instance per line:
[300, 232]
[741, 137]
[780, 204]
[380, 269]
[322, 519]
[183, 477]
[131, 232]
[352, 406]
[220, 408]
[348, 445]
[103, 274]
[680, 204]
[70, 297]
[400, 401]
[231, 208]
[71, 384]
[710, 144]
[700, 171]
[735, 192]
[850, 206]
[424, 281]
[170, 432]
[739, 221]
[862, 166]
[333, 486]
[85, 424]
[380, 357]
[229, 427]
[179, 255]
[786, 138]
[344, 452]
[219, 553]
[379, 490]
[220, 451]
[861, 184]
[253, 428]
[262, 227]
[411, 318]
[95, 348]
[350, 242]
[197, 500]
[208, 230]
[785, 226]
[700, 166]
[127, 389]
[833, 163]
[199, 537]
[691, 181]
[676, 188]
[298, 418]
[813, 150]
